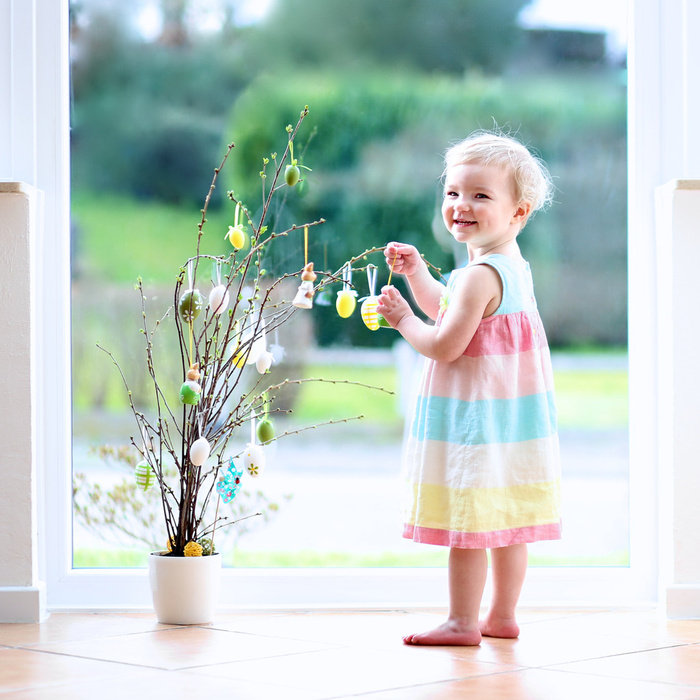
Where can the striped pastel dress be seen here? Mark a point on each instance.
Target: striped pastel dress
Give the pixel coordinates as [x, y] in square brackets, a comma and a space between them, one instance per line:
[482, 454]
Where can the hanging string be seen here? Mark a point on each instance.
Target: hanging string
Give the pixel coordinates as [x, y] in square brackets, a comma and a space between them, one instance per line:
[191, 321]
[371, 278]
[391, 272]
[306, 246]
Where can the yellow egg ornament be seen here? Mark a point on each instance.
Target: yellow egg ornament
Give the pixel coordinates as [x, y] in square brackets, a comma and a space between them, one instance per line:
[347, 296]
[369, 313]
[236, 233]
[345, 303]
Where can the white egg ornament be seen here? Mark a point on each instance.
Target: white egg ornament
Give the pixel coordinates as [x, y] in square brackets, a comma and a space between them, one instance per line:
[263, 362]
[254, 459]
[199, 451]
[219, 299]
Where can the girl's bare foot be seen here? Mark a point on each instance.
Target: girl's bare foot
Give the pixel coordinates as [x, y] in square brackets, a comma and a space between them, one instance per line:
[499, 627]
[449, 634]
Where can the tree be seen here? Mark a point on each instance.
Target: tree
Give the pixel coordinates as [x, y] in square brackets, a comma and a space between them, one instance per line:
[430, 35]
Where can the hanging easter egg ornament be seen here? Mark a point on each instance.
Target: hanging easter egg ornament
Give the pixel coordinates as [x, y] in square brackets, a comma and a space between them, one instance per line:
[264, 361]
[345, 303]
[236, 234]
[219, 299]
[219, 296]
[191, 303]
[265, 431]
[369, 312]
[190, 393]
[259, 344]
[229, 484]
[292, 172]
[199, 451]
[254, 459]
[145, 478]
[369, 305]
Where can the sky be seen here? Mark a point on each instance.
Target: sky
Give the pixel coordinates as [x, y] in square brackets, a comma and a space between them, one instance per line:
[609, 16]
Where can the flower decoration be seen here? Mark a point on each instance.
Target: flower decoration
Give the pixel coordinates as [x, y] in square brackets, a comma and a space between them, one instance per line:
[229, 484]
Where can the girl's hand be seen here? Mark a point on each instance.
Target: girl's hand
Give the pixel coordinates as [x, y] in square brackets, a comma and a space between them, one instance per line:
[404, 259]
[393, 306]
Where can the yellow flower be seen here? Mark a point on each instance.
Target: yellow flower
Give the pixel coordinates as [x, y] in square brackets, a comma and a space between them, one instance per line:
[192, 549]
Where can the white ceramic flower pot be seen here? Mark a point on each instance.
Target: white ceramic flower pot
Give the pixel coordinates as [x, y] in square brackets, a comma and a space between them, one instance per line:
[185, 589]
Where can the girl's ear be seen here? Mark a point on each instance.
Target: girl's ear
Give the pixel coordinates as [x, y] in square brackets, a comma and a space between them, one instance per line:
[522, 213]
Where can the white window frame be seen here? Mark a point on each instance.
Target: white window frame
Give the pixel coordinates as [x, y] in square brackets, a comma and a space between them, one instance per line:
[127, 589]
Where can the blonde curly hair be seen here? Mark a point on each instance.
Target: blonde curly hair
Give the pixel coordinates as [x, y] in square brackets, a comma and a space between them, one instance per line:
[531, 179]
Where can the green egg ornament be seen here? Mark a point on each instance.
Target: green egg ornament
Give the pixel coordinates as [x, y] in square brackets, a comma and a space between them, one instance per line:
[191, 303]
[145, 478]
[383, 323]
[292, 175]
[190, 392]
[265, 431]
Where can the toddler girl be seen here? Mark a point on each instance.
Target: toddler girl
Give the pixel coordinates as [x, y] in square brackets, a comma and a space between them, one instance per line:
[482, 455]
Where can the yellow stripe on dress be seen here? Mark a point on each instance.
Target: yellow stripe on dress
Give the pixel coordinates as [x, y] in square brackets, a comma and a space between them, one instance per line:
[486, 509]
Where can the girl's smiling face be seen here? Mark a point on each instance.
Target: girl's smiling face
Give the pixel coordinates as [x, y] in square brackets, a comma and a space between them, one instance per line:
[479, 206]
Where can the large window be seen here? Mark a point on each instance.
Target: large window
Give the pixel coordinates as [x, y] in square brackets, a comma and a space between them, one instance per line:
[335, 495]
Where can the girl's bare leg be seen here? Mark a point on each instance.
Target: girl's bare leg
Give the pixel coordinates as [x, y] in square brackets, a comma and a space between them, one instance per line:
[508, 567]
[467, 577]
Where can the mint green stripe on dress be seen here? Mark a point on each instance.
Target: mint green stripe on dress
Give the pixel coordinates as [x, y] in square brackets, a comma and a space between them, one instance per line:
[485, 422]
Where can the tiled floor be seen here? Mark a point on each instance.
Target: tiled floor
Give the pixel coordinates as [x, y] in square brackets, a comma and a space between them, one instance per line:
[317, 655]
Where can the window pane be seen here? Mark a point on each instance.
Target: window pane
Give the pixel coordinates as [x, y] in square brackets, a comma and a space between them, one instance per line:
[160, 88]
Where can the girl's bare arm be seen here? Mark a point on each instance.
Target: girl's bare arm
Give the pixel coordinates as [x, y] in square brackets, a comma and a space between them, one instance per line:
[478, 289]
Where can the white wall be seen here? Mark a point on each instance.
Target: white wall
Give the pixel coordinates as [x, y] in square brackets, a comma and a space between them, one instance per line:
[33, 152]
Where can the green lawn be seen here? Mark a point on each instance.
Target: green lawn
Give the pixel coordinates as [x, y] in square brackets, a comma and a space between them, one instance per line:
[304, 558]
[118, 239]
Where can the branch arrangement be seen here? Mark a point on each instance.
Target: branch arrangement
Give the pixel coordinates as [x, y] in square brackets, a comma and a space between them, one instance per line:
[185, 446]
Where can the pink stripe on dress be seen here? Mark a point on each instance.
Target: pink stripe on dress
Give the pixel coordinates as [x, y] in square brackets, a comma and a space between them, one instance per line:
[506, 334]
[483, 540]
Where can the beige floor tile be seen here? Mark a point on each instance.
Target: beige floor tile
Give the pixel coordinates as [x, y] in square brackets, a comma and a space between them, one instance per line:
[537, 684]
[62, 627]
[149, 683]
[182, 647]
[28, 669]
[366, 629]
[679, 664]
[647, 624]
[353, 671]
[538, 645]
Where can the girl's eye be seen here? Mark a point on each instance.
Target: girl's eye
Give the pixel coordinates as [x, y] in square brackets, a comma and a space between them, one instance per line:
[450, 194]
[481, 196]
